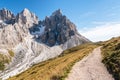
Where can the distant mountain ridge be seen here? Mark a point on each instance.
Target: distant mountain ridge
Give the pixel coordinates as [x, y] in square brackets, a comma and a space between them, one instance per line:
[32, 40]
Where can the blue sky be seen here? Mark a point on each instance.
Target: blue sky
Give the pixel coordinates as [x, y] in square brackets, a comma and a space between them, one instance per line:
[86, 14]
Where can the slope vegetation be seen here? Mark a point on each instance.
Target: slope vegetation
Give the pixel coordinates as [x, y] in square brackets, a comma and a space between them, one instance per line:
[111, 56]
[57, 68]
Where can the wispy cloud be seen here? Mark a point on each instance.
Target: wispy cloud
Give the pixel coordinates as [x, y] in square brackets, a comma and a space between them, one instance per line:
[104, 22]
[102, 32]
[112, 14]
[87, 14]
[115, 7]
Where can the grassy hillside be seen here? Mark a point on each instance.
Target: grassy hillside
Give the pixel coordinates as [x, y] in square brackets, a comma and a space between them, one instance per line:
[111, 56]
[57, 68]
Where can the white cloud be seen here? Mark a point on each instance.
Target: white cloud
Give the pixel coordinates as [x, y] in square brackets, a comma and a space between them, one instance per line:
[102, 32]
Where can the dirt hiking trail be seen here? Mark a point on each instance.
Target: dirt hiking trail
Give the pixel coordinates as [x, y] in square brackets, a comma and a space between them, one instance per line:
[90, 68]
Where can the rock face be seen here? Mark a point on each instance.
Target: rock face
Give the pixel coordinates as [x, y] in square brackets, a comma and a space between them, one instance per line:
[17, 29]
[58, 30]
[26, 18]
[33, 41]
[7, 16]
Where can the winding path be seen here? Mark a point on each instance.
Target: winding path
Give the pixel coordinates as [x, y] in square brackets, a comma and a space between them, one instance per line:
[90, 68]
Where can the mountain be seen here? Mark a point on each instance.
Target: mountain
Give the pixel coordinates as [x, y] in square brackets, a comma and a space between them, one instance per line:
[57, 30]
[14, 33]
[26, 18]
[27, 40]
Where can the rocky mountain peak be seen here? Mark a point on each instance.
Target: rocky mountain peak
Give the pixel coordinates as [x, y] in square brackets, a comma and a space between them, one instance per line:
[58, 29]
[27, 18]
[57, 12]
[6, 15]
[26, 12]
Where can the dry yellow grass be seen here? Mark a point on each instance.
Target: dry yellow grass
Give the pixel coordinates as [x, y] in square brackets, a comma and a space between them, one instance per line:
[57, 68]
